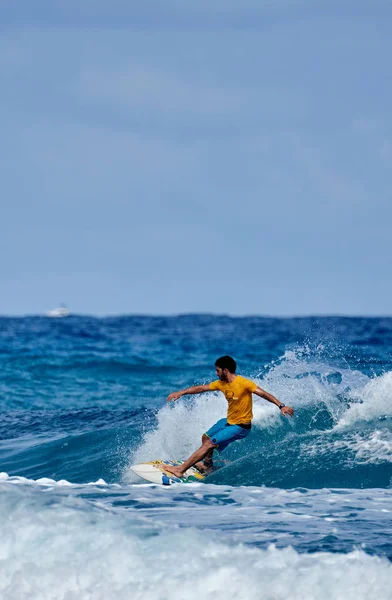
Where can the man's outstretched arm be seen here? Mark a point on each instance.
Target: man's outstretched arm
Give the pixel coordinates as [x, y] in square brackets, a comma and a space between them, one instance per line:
[285, 410]
[195, 389]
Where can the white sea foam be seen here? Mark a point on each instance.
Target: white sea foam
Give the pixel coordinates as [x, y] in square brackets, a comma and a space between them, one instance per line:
[371, 402]
[66, 551]
[46, 481]
[373, 448]
[368, 447]
[302, 382]
[265, 414]
[300, 379]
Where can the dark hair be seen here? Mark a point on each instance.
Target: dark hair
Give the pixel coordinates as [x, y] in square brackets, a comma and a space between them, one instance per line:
[226, 362]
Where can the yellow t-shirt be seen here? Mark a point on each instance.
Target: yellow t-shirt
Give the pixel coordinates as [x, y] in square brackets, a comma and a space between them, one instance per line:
[239, 396]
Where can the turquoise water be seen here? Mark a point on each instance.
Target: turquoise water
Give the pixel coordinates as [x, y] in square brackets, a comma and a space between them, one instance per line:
[302, 507]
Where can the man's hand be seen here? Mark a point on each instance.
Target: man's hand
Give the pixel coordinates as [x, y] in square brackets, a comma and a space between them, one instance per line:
[174, 396]
[287, 410]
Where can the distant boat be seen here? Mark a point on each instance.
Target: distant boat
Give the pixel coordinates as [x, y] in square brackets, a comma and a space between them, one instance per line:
[61, 311]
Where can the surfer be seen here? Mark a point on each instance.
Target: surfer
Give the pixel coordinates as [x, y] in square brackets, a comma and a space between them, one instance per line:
[238, 392]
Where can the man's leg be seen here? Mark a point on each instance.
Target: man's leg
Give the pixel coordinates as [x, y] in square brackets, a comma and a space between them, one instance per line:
[220, 438]
[200, 453]
[206, 464]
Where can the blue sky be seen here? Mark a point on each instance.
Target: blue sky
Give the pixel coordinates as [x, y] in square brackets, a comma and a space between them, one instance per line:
[164, 157]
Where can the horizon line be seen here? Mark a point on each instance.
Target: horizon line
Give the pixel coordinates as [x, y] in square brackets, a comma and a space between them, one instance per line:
[197, 314]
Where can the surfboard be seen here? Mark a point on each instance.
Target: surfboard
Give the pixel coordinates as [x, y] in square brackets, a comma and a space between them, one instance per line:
[153, 472]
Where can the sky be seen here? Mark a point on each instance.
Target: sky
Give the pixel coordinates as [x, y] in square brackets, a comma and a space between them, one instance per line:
[221, 157]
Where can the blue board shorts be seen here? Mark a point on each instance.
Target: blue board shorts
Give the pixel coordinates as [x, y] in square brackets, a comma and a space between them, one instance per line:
[222, 434]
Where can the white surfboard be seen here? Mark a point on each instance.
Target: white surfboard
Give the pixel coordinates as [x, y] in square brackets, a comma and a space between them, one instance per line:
[153, 472]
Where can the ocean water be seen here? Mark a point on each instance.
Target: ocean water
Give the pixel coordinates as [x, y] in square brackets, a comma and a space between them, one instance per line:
[301, 509]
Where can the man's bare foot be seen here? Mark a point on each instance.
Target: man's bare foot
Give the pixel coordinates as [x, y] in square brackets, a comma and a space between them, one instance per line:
[177, 471]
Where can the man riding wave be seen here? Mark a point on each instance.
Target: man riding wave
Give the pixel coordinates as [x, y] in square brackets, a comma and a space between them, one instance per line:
[238, 392]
